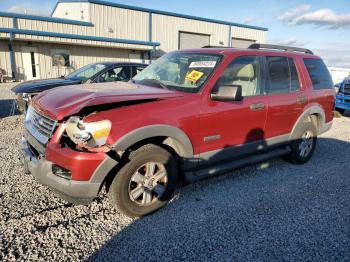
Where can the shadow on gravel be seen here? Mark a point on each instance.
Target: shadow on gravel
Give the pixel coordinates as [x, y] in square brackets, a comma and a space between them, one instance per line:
[8, 108]
[285, 212]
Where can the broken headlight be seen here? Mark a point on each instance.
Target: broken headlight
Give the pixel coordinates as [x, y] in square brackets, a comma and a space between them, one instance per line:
[89, 135]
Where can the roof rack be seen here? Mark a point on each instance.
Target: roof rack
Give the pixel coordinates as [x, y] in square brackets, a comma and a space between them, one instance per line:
[281, 47]
[214, 46]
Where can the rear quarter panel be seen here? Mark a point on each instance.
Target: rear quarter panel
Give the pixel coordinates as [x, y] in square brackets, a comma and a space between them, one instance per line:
[325, 98]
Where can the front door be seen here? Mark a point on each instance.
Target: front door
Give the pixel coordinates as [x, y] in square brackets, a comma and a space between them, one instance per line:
[232, 128]
[30, 63]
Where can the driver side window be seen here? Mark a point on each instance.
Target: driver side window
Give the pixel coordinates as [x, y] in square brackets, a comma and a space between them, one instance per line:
[244, 72]
[116, 74]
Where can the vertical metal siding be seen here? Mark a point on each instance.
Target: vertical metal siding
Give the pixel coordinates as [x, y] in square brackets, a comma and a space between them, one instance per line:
[166, 31]
[125, 23]
[249, 34]
[5, 57]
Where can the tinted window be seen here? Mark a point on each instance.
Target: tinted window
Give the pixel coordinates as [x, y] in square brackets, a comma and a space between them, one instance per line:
[295, 84]
[282, 74]
[116, 74]
[319, 74]
[136, 70]
[245, 72]
[279, 76]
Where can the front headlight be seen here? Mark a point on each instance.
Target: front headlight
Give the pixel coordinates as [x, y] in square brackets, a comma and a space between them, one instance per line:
[89, 135]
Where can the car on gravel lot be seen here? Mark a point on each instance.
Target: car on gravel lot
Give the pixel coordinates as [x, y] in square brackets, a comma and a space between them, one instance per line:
[190, 115]
[342, 101]
[93, 73]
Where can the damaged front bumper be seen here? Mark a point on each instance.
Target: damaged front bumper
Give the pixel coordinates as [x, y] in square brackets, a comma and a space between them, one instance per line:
[73, 191]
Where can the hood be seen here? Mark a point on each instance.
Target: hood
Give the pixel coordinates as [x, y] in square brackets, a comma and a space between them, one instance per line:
[61, 102]
[36, 86]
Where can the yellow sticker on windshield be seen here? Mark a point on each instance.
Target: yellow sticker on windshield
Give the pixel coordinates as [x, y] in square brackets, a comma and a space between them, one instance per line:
[194, 76]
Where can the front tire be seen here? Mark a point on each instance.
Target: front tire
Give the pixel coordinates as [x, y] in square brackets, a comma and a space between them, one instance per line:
[146, 183]
[303, 146]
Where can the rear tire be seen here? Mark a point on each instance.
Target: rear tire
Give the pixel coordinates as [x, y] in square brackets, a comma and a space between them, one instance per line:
[146, 183]
[303, 146]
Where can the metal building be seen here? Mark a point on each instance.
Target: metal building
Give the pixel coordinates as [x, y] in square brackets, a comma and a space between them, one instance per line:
[80, 32]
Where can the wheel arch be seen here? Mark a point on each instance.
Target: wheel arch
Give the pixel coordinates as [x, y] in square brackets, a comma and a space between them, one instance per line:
[317, 115]
[170, 136]
[174, 137]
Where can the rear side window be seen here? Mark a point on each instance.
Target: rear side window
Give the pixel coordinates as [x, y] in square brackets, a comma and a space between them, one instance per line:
[319, 74]
[282, 75]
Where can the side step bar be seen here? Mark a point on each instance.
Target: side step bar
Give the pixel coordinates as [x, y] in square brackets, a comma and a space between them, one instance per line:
[223, 167]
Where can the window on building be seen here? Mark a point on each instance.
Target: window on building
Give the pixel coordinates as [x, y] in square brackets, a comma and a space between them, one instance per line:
[283, 76]
[242, 43]
[319, 74]
[192, 40]
[244, 72]
[60, 58]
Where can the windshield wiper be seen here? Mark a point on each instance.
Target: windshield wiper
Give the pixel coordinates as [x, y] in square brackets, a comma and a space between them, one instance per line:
[155, 81]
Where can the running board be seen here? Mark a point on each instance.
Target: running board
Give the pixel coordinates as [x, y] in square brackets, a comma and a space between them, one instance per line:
[192, 176]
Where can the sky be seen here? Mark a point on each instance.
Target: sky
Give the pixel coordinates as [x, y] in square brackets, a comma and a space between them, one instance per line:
[320, 25]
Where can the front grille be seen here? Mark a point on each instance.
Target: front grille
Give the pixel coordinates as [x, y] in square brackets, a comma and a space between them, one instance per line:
[39, 126]
[346, 90]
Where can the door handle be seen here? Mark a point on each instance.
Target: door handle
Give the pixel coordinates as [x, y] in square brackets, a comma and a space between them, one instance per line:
[301, 99]
[257, 106]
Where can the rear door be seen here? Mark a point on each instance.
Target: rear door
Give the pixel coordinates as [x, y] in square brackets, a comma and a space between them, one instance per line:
[285, 95]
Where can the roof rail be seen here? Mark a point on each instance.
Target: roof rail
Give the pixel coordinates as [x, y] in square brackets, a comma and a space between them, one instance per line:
[214, 46]
[281, 47]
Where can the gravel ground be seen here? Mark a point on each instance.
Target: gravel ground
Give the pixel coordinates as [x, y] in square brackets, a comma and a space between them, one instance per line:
[268, 212]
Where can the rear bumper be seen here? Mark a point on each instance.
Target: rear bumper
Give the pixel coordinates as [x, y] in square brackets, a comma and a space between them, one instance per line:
[77, 192]
[342, 101]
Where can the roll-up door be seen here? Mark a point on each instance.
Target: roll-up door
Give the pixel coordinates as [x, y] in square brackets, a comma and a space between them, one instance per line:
[242, 43]
[192, 40]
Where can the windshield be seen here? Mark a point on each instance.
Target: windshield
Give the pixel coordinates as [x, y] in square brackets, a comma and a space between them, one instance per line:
[86, 72]
[185, 72]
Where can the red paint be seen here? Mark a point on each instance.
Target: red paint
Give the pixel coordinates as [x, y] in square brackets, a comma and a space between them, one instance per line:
[195, 114]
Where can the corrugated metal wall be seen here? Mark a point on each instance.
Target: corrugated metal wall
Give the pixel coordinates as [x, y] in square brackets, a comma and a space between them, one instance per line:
[125, 23]
[248, 33]
[5, 22]
[72, 29]
[166, 31]
[78, 57]
[5, 57]
[111, 22]
[75, 11]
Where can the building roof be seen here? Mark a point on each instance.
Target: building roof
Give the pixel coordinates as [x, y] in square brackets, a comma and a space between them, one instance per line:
[154, 11]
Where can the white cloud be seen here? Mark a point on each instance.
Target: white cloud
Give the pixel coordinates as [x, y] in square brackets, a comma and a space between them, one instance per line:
[288, 42]
[337, 57]
[27, 10]
[293, 13]
[323, 17]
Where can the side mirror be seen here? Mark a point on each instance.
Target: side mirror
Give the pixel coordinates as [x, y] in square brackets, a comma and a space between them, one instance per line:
[228, 93]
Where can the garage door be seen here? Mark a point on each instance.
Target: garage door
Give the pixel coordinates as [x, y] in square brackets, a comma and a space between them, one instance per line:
[242, 43]
[191, 40]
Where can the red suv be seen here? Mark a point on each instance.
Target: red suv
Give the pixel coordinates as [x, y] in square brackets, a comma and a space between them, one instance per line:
[189, 115]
